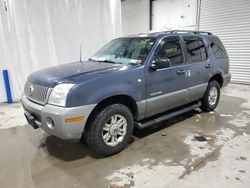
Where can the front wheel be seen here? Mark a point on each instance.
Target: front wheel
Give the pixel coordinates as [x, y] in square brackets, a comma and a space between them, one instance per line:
[211, 97]
[110, 130]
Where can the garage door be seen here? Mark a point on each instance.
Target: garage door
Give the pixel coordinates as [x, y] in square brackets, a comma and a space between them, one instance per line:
[230, 20]
[174, 14]
[135, 16]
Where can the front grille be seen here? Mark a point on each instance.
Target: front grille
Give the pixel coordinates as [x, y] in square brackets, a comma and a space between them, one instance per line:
[36, 93]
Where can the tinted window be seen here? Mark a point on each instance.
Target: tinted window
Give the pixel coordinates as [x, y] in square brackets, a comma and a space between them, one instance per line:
[217, 48]
[195, 50]
[171, 49]
[203, 50]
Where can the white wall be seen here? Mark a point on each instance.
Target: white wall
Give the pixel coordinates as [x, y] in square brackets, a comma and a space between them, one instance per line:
[39, 33]
[174, 14]
[167, 14]
[135, 16]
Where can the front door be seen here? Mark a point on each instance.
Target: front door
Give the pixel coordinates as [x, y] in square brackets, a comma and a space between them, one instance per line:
[166, 88]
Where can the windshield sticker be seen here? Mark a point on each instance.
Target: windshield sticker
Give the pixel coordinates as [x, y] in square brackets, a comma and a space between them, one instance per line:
[135, 61]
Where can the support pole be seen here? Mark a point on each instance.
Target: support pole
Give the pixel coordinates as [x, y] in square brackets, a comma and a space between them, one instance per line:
[7, 86]
[150, 15]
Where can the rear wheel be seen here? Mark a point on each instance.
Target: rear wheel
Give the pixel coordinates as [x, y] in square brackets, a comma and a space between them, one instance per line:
[110, 130]
[211, 97]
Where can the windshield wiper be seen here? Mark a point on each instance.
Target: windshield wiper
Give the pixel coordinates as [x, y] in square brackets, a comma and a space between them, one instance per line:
[105, 61]
[90, 59]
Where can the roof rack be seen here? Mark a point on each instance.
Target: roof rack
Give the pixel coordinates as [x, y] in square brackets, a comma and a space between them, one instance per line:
[190, 31]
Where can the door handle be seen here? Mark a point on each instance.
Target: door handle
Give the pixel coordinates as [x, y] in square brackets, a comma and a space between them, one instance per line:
[180, 72]
[208, 66]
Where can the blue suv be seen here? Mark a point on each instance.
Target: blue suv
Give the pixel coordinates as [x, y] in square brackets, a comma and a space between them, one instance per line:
[133, 81]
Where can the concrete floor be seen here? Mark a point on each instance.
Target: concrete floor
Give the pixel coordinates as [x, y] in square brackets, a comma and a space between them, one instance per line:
[167, 156]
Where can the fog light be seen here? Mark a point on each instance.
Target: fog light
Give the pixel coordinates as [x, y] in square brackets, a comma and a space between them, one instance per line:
[50, 123]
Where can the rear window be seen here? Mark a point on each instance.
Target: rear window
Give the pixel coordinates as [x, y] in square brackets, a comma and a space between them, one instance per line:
[195, 50]
[218, 48]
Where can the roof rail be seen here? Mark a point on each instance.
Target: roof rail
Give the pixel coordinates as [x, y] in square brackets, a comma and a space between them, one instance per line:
[190, 31]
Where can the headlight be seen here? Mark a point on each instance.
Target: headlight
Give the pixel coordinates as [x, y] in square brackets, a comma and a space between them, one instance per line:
[59, 94]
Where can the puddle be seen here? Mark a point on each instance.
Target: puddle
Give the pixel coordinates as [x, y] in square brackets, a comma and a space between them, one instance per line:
[138, 176]
[200, 138]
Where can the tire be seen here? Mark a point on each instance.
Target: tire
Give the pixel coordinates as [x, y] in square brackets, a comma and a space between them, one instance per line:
[209, 101]
[103, 124]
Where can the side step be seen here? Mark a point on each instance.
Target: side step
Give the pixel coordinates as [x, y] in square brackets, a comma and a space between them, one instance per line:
[149, 123]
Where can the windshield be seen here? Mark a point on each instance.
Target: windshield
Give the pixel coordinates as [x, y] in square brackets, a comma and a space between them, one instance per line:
[125, 50]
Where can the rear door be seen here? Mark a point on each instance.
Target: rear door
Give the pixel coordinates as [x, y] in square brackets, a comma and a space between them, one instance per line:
[166, 88]
[199, 66]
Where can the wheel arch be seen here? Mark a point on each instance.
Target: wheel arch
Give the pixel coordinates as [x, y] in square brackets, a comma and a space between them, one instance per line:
[218, 77]
[120, 99]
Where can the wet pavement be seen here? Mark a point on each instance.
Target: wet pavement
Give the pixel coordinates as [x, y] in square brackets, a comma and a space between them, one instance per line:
[167, 155]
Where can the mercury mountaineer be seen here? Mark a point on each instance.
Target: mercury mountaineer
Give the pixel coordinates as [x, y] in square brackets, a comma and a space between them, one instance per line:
[134, 81]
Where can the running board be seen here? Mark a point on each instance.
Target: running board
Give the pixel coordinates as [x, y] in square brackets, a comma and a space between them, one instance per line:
[149, 123]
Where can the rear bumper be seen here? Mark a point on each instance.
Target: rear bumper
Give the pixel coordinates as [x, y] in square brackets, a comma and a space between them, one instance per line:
[226, 79]
[38, 115]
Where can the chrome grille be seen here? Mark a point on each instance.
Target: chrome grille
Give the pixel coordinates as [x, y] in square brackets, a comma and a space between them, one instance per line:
[36, 93]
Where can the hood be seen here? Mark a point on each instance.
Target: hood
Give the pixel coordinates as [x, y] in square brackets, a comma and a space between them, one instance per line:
[72, 73]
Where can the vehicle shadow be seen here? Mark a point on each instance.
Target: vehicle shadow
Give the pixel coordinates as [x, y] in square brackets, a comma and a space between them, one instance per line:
[66, 150]
[70, 151]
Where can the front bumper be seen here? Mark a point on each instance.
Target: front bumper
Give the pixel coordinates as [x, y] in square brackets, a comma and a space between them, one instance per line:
[37, 116]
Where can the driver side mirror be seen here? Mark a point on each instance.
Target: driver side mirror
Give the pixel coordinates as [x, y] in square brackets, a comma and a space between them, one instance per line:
[160, 63]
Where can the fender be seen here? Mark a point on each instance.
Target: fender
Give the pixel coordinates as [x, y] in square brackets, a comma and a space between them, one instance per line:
[216, 73]
[96, 90]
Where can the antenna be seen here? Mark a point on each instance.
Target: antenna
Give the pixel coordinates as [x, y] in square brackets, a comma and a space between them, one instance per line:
[80, 53]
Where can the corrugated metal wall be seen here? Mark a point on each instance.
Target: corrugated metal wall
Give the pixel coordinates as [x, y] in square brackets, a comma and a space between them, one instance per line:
[230, 20]
[39, 33]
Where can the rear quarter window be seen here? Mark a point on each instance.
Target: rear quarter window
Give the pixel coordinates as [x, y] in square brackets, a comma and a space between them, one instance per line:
[218, 48]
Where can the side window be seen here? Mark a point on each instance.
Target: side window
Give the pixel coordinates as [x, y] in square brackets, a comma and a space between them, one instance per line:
[171, 49]
[195, 50]
[203, 50]
[217, 48]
